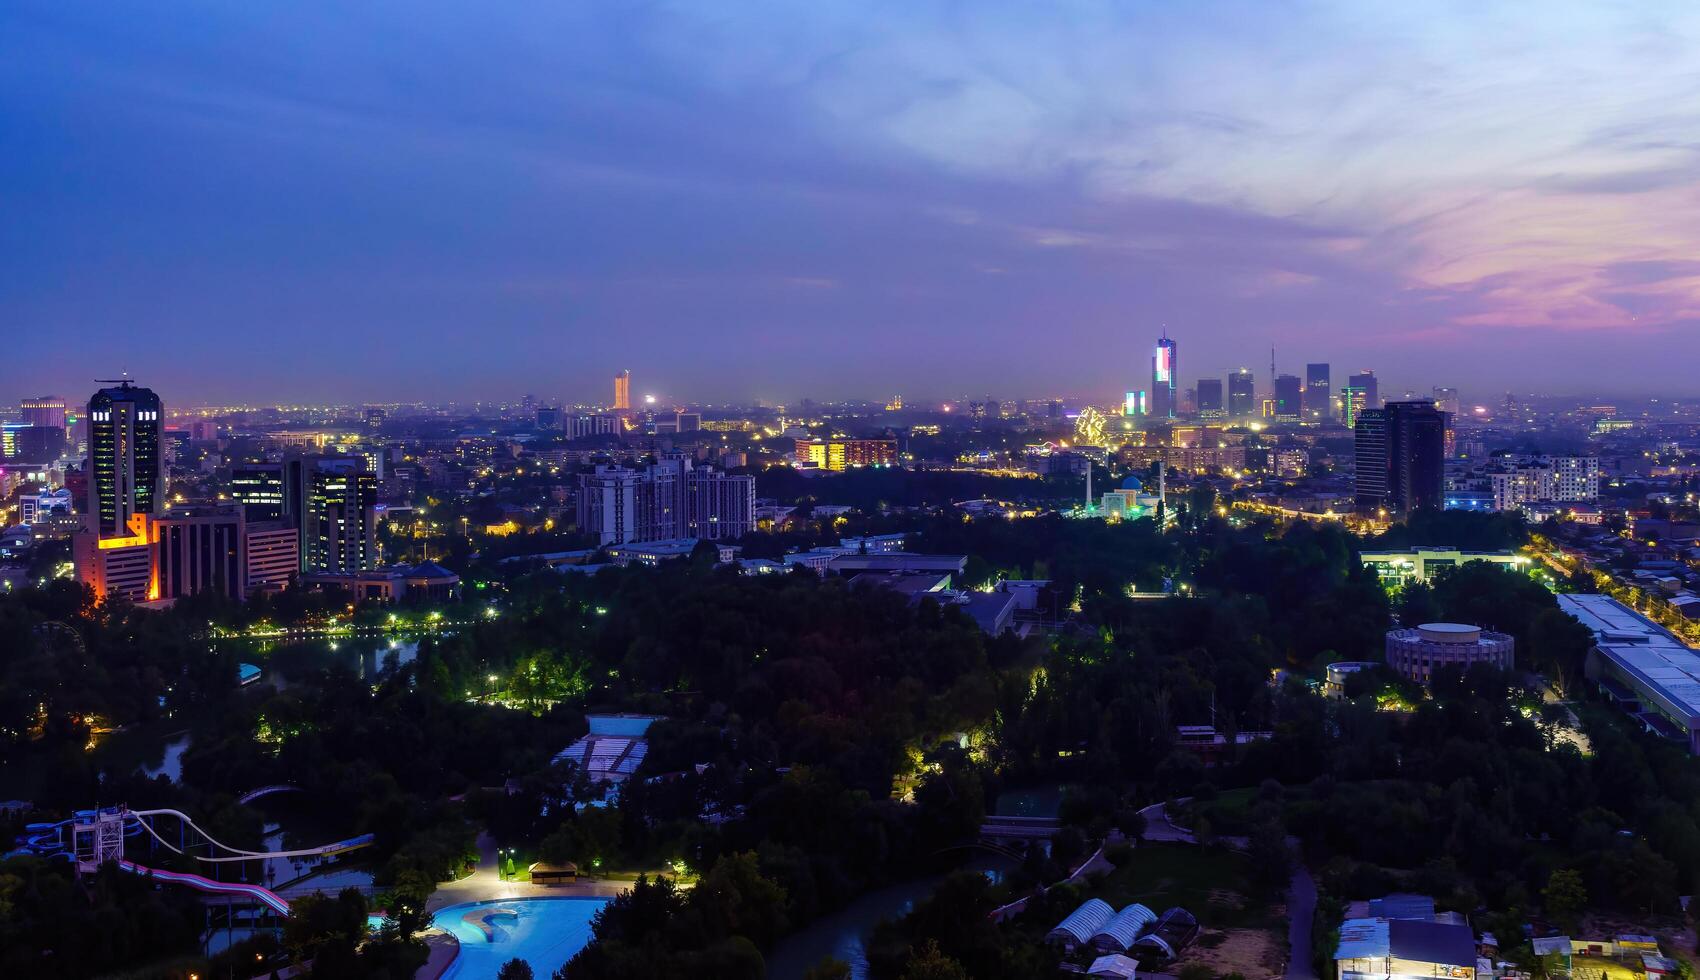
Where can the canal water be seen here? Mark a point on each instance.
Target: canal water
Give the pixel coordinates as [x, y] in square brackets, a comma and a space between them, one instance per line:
[843, 935]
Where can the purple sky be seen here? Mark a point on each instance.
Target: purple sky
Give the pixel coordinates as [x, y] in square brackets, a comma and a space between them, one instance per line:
[403, 200]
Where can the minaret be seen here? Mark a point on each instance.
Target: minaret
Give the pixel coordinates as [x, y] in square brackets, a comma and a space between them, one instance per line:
[1089, 484]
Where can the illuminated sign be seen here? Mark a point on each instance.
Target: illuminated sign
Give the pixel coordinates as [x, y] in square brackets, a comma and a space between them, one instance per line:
[1162, 369]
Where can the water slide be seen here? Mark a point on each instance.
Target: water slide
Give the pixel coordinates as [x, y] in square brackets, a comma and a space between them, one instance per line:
[241, 855]
[263, 895]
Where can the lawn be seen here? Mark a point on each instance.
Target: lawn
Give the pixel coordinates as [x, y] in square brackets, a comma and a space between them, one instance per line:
[1209, 882]
[1229, 813]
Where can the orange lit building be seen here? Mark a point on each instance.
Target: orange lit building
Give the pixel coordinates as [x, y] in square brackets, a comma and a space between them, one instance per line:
[838, 455]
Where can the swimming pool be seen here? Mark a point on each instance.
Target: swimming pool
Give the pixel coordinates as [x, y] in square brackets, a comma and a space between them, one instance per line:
[544, 932]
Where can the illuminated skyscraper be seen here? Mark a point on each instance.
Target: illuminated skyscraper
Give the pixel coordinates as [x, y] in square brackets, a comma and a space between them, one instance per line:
[125, 478]
[623, 391]
[1163, 367]
[1242, 394]
[1318, 395]
[1351, 404]
[1365, 383]
[339, 530]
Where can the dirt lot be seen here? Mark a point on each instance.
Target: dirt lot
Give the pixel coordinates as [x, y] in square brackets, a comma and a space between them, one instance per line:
[1255, 954]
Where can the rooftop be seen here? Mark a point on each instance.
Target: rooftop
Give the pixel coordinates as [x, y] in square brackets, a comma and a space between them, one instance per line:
[1644, 653]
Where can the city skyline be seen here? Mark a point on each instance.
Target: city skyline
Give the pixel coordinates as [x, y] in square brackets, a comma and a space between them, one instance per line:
[838, 205]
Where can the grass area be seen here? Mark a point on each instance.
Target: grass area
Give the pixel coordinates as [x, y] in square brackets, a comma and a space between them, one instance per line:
[1210, 882]
[1229, 813]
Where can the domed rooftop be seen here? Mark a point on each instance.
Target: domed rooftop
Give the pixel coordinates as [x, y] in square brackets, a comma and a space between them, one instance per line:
[1133, 483]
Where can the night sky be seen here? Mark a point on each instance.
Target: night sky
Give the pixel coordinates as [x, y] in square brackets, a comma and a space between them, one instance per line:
[412, 200]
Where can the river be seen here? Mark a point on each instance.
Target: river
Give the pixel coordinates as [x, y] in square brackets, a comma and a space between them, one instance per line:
[843, 933]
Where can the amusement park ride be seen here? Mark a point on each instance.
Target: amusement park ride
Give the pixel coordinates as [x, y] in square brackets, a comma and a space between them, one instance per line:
[93, 837]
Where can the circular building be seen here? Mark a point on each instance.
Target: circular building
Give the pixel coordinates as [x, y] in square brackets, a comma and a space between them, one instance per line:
[1417, 653]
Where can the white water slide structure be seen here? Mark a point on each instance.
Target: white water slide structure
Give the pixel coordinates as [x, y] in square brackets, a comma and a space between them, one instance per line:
[98, 836]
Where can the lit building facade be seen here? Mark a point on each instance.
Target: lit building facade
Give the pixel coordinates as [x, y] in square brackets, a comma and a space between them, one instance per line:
[46, 411]
[1164, 365]
[272, 556]
[837, 455]
[623, 391]
[199, 549]
[126, 480]
[339, 531]
[260, 489]
[113, 550]
[1516, 482]
[1365, 383]
[121, 567]
[669, 500]
[1422, 564]
[1418, 652]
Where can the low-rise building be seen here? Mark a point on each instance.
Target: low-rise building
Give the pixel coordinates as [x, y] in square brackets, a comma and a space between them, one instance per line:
[656, 552]
[424, 582]
[1641, 667]
[1388, 949]
[1417, 652]
[1420, 564]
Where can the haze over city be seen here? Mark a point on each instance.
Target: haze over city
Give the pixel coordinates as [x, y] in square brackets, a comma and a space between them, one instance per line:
[887, 490]
[412, 201]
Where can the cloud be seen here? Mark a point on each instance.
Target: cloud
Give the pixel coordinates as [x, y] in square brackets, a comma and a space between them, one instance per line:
[672, 179]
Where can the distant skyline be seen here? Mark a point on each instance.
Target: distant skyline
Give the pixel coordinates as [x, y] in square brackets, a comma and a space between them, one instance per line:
[434, 202]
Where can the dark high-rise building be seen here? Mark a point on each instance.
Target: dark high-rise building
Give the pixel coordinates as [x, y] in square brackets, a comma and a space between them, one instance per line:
[1210, 398]
[1318, 395]
[125, 476]
[46, 411]
[1287, 394]
[1242, 394]
[260, 489]
[1163, 367]
[1401, 451]
[1365, 383]
[31, 443]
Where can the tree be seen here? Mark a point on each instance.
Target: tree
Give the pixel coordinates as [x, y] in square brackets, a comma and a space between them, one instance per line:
[1271, 860]
[1564, 898]
[829, 968]
[514, 969]
[931, 964]
[740, 901]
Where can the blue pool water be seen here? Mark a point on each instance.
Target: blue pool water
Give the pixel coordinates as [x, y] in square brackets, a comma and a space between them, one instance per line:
[544, 932]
